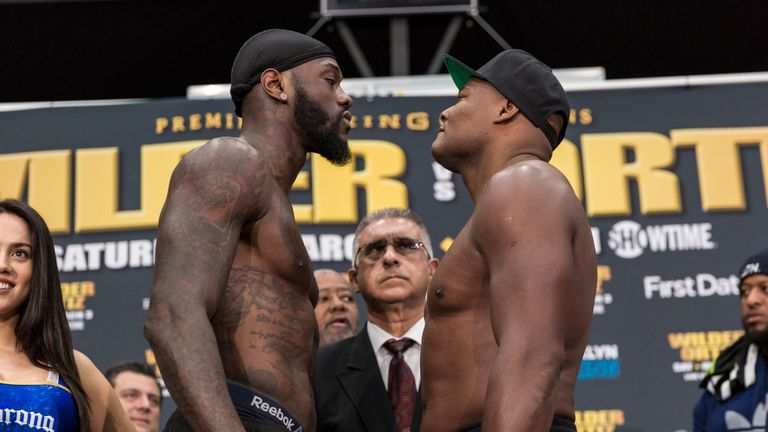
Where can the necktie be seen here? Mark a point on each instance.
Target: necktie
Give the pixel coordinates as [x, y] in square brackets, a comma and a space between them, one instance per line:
[402, 384]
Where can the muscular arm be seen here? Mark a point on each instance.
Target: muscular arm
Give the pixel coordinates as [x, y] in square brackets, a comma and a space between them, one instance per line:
[213, 192]
[522, 229]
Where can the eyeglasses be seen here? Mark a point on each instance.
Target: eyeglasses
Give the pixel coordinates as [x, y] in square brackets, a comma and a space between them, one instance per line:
[373, 251]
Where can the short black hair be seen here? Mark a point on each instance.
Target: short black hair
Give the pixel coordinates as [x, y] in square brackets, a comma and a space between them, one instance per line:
[136, 367]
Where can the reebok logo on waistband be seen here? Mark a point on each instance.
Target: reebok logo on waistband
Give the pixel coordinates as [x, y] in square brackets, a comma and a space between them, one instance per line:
[276, 413]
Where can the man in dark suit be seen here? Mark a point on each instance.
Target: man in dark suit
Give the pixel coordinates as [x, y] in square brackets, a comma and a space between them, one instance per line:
[369, 383]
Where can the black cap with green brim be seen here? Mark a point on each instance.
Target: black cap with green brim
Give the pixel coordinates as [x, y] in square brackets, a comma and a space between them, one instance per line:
[460, 72]
[526, 82]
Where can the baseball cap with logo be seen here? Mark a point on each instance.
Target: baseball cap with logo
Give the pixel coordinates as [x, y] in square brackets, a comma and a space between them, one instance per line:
[525, 81]
[756, 264]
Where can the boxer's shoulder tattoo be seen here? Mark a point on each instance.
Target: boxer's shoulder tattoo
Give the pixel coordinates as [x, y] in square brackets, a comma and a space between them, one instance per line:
[230, 181]
[217, 193]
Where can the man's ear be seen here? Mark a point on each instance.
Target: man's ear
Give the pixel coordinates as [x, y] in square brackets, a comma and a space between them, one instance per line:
[556, 121]
[352, 276]
[507, 111]
[272, 83]
[433, 263]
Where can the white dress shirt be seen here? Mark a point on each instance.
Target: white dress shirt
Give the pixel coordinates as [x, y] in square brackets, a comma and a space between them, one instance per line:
[412, 355]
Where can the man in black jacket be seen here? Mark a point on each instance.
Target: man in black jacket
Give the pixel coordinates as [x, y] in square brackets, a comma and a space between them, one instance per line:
[369, 383]
[736, 387]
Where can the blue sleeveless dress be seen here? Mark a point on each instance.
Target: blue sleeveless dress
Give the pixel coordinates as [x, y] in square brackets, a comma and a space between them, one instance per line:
[46, 406]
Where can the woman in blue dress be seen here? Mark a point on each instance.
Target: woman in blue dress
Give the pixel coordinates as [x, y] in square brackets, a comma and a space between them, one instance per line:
[44, 384]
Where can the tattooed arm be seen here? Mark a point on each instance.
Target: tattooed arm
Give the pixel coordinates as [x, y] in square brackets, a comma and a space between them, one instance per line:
[214, 191]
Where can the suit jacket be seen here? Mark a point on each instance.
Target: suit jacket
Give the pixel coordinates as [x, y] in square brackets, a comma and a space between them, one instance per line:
[350, 395]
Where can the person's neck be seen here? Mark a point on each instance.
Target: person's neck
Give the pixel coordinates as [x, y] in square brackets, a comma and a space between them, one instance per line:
[395, 320]
[500, 149]
[8, 338]
[280, 146]
[476, 176]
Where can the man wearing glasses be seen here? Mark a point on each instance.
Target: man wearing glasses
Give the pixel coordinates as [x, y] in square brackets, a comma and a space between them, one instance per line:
[370, 382]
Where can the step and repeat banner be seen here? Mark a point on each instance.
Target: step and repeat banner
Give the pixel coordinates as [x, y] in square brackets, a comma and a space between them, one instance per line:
[673, 179]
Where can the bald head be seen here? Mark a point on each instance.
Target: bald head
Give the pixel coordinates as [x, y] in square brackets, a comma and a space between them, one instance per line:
[336, 311]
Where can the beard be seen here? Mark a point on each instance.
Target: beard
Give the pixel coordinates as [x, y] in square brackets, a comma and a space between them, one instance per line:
[320, 128]
[757, 337]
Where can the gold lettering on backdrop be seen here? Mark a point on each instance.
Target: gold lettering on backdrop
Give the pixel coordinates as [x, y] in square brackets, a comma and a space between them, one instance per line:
[13, 173]
[177, 124]
[721, 180]
[149, 356]
[600, 174]
[74, 294]
[96, 190]
[702, 346]
[566, 159]
[302, 212]
[161, 124]
[212, 120]
[334, 189]
[446, 244]
[46, 175]
[585, 116]
[389, 121]
[195, 122]
[604, 420]
[581, 116]
[417, 121]
[607, 173]
[603, 274]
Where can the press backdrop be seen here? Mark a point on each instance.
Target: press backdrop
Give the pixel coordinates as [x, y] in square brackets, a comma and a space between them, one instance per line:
[673, 180]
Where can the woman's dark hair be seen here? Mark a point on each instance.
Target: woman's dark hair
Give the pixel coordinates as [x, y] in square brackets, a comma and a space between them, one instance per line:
[42, 332]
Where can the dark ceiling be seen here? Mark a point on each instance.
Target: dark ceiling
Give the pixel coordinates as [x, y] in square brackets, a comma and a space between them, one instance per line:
[127, 49]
